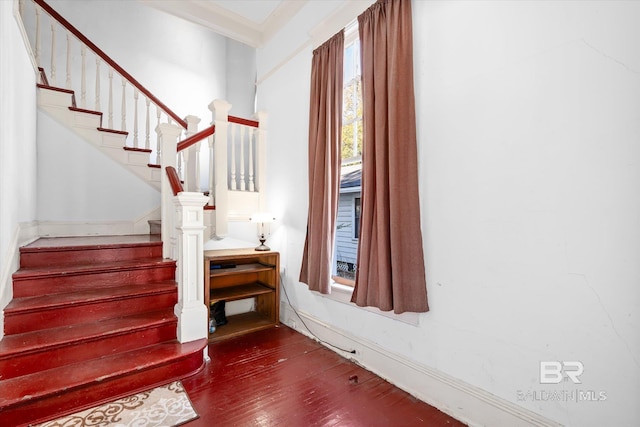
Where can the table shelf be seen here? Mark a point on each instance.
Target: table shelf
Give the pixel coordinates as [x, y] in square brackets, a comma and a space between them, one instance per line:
[241, 274]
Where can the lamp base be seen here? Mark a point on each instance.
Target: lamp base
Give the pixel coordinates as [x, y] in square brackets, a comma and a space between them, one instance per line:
[262, 246]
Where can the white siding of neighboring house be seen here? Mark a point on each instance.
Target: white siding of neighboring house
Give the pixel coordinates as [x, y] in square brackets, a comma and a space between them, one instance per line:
[346, 244]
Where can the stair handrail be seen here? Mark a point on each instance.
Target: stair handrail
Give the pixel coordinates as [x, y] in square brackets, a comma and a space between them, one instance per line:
[195, 138]
[246, 122]
[207, 132]
[82, 38]
[174, 180]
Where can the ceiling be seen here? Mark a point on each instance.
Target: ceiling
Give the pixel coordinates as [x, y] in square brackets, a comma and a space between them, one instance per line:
[252, 22]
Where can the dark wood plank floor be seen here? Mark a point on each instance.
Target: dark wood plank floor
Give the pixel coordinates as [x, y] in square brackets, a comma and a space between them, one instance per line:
[279, 377]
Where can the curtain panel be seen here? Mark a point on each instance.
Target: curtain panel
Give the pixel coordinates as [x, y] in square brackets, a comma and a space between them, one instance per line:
[391, 271]
[325, 129]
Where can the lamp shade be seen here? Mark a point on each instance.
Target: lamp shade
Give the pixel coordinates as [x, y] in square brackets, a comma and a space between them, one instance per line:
[262, 217]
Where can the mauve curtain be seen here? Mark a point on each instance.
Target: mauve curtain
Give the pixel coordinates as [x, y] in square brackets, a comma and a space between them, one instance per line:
[325, 122]
[391, 273]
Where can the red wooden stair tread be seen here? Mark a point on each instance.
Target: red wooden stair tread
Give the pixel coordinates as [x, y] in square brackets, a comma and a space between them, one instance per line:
[91, 242]
[23, 389]
[88, 296]
[92, 268]
[39, 341]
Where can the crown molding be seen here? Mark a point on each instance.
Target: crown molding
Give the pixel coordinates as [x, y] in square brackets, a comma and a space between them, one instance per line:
[228, 23]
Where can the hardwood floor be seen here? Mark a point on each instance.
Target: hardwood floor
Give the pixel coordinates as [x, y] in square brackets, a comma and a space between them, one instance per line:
[279, 377]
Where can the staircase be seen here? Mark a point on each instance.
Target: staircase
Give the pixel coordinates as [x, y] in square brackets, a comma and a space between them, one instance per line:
[61, 105]
[92, 320]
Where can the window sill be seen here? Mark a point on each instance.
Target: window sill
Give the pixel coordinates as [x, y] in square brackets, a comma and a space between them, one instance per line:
[342, 293]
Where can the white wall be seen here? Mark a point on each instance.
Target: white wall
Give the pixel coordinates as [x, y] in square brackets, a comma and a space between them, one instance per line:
[181, 63]
[77, 182]
[241, 76]
[17, 146]
[528, 128]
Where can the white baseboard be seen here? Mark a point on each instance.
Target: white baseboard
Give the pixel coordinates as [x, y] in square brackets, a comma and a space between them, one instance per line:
[468, 404]
[139, 225]
[67, 229]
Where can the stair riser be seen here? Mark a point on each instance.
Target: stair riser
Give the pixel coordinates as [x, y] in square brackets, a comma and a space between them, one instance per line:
[156, 174]
[85, 397]
[45, 258]
[113, 140]
[55, 99]
[21, 322]
[86, 120]
[85, 349]
[41, 285]
[137, 158]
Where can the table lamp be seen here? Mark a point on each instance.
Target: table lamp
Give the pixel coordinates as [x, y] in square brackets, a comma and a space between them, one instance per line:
[263, 219]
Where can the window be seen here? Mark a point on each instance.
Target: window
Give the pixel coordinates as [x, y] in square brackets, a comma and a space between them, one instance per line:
[352, 98]
[390, 271]
[348, 223]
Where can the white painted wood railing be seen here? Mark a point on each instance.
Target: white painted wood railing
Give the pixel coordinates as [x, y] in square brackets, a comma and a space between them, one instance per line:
[236, 186]
[95, 77]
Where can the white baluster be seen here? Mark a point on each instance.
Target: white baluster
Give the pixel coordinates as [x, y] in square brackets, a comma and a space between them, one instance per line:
[123, 125]
[159, 140]
[233, 185]
[38, 42]
[179, 162]
[243, 183]
[110, 98]
[83, 78]
[196, 150]
[135, 117]
[261, 163]
[212, 170]
[98, 107]
[68, 84]
[53, 54]
[251, 157]
[190, 157]
[147, 145]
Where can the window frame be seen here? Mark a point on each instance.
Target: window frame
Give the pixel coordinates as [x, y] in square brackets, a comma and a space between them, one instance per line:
[355, 217]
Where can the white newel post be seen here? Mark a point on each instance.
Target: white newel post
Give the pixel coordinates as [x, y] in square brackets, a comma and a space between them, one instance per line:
[191, 158]
[191, 311]
[261, 153]
[220, 109]
[168, 135]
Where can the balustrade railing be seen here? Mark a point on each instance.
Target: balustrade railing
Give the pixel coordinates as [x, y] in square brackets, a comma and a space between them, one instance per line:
[95, 77]
[242, 143]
